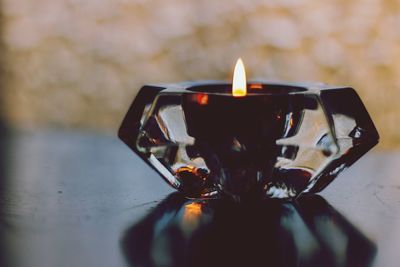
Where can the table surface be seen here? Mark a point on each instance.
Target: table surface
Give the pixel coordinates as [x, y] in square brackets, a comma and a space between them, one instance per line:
[84, 199]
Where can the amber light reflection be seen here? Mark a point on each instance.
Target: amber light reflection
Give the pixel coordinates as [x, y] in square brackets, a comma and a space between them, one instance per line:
[192, 212]
[256, 86]
[202, 99]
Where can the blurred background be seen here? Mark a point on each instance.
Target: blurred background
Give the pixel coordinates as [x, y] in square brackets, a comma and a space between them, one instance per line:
[78, 64]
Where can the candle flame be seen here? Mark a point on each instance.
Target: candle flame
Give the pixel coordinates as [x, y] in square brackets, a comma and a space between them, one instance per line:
[239, 86]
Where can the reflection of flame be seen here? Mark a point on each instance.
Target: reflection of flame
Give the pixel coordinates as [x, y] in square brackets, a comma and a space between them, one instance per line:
[257, 86]
[202, 99]
[192, 212]
[191, 171]
[239, 86]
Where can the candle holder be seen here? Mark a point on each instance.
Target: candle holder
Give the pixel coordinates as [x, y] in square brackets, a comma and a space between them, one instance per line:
[280, 140]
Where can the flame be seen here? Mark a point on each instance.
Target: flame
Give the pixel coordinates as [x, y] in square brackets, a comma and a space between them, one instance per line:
[239, 86]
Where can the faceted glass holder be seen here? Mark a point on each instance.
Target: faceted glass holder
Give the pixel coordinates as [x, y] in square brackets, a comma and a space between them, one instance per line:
[279, 141]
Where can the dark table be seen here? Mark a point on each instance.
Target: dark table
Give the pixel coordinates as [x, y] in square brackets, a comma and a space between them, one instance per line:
[84, 199]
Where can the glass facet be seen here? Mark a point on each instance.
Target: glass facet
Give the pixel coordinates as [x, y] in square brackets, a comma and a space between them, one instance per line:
[278, 141]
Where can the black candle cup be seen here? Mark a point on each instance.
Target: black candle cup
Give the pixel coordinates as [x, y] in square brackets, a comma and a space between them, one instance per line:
[278, 141]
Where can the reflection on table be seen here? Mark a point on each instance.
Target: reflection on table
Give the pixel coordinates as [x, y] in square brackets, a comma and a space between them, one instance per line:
[309, 232]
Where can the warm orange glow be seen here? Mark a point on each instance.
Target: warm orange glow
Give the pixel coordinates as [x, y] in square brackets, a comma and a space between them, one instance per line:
[193, 208]
[239, 85]
[186, 168]
[192, 212]
[202, 99]
[256, 86]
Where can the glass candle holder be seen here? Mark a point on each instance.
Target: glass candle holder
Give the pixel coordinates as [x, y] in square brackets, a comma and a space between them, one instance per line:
[280, 140]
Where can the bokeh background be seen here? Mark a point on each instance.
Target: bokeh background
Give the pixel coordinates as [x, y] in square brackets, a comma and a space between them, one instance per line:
[78, 64]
